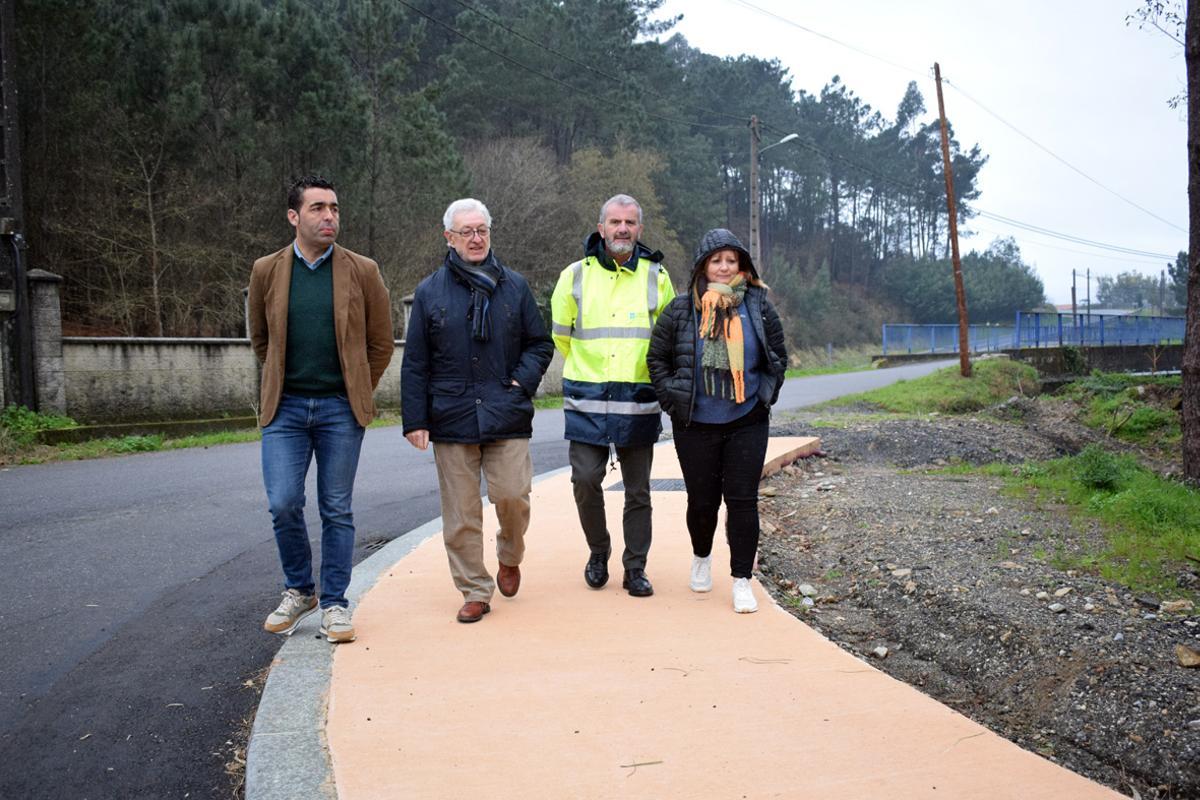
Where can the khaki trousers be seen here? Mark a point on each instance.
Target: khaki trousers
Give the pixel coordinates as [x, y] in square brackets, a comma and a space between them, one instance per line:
[508, 469]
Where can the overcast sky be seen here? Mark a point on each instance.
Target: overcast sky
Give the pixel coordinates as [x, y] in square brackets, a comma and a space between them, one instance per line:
[1070, 75]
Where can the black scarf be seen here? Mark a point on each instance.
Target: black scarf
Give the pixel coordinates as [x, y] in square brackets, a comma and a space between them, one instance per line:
[483, 279]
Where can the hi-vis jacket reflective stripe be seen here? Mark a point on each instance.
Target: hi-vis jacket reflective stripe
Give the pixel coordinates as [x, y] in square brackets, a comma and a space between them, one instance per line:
[602, 319]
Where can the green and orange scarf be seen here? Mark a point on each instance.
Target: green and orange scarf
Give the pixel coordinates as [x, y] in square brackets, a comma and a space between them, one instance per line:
[723, 363]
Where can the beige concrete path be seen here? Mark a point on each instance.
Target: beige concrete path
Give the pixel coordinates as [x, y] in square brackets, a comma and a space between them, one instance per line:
[566, 692]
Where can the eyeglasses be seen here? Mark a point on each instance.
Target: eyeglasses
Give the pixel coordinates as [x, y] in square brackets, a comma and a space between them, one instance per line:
[471, 233]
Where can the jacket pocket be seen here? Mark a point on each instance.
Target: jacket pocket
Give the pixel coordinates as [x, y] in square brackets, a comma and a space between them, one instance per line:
[447, 387]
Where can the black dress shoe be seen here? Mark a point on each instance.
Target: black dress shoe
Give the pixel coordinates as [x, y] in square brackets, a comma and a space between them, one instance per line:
[596, 571]
[636, 583]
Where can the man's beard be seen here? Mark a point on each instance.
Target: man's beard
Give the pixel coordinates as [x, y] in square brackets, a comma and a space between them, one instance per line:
[620, 247]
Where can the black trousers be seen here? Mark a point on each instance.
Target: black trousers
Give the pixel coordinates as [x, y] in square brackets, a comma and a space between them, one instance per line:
[589, 465]
[724, 462]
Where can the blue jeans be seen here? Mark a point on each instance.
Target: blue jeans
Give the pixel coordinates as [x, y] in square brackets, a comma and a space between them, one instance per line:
[303, 426]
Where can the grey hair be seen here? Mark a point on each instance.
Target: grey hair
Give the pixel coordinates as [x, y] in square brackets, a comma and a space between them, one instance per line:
[460, 206]
[620, 200]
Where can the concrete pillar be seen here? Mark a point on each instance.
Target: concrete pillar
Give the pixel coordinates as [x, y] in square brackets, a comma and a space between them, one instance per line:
[406, 302]
[49, 376]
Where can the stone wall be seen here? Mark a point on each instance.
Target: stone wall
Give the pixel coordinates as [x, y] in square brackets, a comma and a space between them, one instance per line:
[116, 379]
[1110, 358]
[141, 379]
[119, 379]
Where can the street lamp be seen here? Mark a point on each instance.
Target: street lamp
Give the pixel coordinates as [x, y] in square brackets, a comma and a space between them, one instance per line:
[784, 140]
[755, 151]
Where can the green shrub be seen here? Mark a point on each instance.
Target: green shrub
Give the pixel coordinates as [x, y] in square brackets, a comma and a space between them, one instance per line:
[1073, 361]
[21, 426]
[137, 444]
[1096, 468]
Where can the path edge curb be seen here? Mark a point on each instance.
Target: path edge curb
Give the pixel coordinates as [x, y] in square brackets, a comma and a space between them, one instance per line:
[287, 755]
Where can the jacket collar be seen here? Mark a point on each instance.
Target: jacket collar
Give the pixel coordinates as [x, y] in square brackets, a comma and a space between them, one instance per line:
[594, 247]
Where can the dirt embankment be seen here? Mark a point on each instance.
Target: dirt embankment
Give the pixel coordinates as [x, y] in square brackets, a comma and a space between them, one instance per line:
[958, 582]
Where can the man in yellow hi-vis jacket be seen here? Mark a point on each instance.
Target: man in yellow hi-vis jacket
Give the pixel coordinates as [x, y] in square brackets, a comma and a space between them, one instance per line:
[603, 309]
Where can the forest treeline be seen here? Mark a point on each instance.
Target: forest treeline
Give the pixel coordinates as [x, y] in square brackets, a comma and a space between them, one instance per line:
[159, 137]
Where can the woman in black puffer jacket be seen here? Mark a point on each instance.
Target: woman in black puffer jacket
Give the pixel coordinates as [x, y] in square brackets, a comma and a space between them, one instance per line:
[717, 359]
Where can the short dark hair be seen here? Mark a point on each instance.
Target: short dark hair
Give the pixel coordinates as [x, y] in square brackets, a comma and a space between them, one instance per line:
[296, 192]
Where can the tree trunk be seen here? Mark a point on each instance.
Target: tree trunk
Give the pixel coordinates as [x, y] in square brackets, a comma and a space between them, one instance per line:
[155, 258]
[1191, 339]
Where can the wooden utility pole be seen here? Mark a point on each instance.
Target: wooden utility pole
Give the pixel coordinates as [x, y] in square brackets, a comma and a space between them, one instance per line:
[1074, 308]
[755, 137]
[964, 360]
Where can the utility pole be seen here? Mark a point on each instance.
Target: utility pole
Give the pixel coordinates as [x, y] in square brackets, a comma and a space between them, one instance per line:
[1074, 309]
[755, 138]
[964, 360]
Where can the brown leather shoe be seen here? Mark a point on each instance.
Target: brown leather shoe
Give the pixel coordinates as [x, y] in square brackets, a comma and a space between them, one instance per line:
[508, 580]
[473, 611]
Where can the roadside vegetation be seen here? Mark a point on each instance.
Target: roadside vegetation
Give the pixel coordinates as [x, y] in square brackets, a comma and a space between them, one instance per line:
[19, 444]
[992, 381]
[1134, 408]
[1150, 523]
[830, 361]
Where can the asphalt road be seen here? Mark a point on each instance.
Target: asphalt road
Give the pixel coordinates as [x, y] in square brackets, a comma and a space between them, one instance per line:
[135, 589]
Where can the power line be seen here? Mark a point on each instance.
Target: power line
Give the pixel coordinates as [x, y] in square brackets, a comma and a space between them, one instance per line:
[543, 75]
[912, 191]
[1060, 159]
[966, 95]
[1064, 249]
[1070, 238]
[829, 38]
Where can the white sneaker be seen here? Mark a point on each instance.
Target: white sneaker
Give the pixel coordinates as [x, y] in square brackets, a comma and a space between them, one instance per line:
[336, 626]
[743, 597]
[701, 574]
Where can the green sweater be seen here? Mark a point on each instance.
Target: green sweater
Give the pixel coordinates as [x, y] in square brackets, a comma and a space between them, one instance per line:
[312, 368]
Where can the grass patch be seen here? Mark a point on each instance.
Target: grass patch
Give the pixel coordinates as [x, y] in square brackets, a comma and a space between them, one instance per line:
[1151, 525]
[843, 421]
[386, 419]
[127, 445]
[19, 426]
[1135, 408]
[216, 438]
[548, 401]
[947, 392]
[818, 361]
[25, 450]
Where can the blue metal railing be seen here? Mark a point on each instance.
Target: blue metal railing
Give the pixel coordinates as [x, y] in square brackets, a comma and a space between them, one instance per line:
[1036, 329]
[1039, 329]
[900, 338]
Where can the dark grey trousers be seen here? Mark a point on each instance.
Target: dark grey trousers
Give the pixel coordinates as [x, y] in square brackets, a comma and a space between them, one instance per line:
[588, 466]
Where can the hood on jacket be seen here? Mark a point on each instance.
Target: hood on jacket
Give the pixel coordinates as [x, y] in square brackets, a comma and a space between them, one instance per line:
[721, 239]
[594, 246]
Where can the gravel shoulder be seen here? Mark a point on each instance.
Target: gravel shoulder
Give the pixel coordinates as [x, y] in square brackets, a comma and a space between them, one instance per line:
[945, 583]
